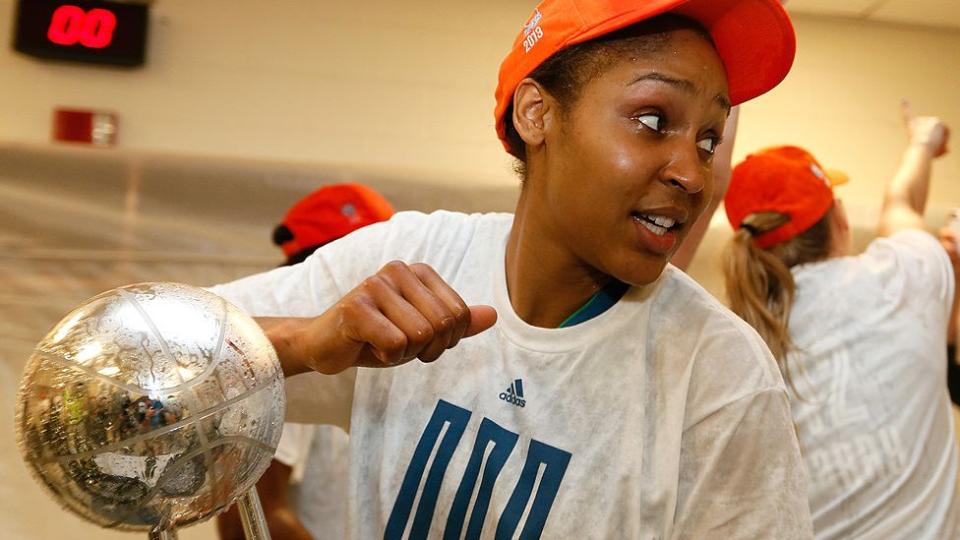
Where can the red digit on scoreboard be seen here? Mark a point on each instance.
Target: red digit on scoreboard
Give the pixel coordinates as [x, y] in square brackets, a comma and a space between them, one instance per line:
[98, 28]
[66, 25]
[71, 25]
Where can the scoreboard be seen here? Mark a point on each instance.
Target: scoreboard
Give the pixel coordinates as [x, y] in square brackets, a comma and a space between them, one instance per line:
[92, 31]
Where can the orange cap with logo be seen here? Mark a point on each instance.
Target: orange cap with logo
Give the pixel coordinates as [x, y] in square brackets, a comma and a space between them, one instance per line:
[754, 39]
[327, 214]
[784, 179]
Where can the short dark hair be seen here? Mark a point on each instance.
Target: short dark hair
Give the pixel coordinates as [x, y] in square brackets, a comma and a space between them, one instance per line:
[565, 73]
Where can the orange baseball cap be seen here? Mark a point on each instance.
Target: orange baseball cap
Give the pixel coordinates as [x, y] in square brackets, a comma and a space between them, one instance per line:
[754, 39]
[327, 214]
[786, 180]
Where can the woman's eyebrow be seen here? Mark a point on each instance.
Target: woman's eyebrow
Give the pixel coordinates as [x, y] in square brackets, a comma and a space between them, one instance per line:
[681, 84]
[723, 102]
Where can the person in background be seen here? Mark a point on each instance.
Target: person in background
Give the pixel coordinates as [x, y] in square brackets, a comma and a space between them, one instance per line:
[860, 339]
[301, 491]
[328, 214]
[948, 239]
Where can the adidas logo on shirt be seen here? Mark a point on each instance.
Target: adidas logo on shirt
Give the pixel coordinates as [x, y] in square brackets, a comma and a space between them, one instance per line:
[514, 394]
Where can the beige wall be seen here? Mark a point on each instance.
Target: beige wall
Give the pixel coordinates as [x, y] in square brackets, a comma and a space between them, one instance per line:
[409, 85]
[841, 101]
[377, 82]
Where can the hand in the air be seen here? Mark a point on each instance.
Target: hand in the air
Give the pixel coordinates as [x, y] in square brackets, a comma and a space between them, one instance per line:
[927, 131]
[400, 313]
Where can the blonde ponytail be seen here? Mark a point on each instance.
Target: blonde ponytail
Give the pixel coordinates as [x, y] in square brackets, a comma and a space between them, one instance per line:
[759, 283]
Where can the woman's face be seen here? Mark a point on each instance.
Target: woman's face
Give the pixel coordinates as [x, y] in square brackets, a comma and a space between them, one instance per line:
[627, 168]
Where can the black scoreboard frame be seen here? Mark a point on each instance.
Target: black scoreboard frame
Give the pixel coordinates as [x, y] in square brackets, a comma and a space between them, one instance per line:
[127, 45]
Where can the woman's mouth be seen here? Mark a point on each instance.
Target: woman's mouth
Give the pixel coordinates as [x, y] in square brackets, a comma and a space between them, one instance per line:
[658, 233]
[658, 225]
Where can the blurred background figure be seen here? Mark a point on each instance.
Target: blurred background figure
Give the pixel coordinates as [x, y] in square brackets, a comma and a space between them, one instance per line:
[304, 491]
[860, 339]
[327, 214]
[948, 238]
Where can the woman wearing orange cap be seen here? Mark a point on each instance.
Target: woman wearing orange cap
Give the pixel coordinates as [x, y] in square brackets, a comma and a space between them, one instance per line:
[310, 457]
[600, 393]
[860, 339]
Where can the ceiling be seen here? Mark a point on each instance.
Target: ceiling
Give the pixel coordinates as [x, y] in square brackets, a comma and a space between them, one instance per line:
[942, 13]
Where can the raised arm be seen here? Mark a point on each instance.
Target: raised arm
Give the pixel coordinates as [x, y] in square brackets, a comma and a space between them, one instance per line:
[906, 194]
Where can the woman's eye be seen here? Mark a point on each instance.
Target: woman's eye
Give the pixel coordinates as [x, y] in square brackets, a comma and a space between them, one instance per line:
[708, 145]
[650, 121]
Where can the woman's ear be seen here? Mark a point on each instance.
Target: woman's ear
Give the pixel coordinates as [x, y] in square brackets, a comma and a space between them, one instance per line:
[530, 112]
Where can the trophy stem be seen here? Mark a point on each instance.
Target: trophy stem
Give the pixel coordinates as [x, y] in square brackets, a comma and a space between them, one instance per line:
[251, 514]
[165, 534]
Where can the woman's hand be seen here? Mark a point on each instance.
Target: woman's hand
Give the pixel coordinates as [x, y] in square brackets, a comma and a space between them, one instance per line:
[927, 131]
[400, 313]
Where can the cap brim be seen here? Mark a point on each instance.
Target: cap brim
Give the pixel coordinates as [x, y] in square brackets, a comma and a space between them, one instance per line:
[837, 178]
[754, 38]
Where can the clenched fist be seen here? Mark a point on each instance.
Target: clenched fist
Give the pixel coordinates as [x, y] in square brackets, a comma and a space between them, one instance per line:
[400, 313]
[927, 131]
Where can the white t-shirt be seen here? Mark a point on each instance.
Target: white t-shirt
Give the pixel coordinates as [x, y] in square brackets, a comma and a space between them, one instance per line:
[319, 456]
[664, 417]
[873, 413]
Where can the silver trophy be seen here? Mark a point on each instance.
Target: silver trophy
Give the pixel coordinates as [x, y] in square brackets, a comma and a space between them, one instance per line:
[152, 407]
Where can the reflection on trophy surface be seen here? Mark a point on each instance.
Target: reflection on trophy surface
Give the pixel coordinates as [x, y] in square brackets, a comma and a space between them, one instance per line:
[151, 407]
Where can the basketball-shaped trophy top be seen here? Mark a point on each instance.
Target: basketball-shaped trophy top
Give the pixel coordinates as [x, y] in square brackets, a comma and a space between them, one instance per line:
[151, 406]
